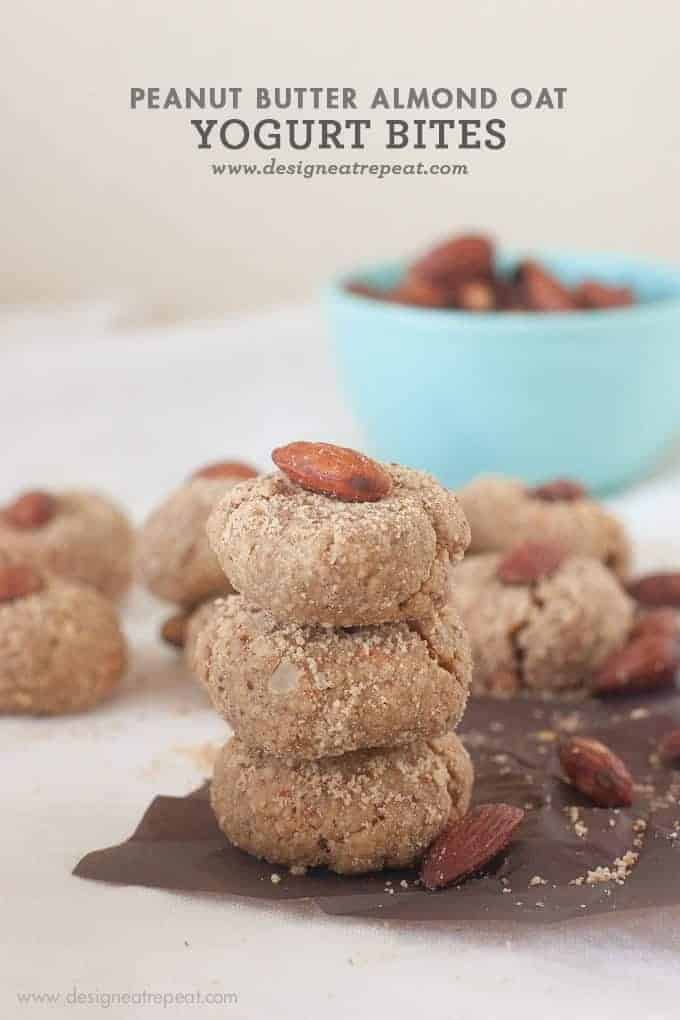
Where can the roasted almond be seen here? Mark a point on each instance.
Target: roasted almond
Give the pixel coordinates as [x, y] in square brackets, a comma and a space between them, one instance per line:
[465, 846]
[466, 257]
[174, 630]
[591, 294]
[30, 510]
[559, 490]
[421, 293]
[669, 748]
[474, 296]
[226, 469]
[530, 562]
[333, 471]
[540, 291]
[16, 582]
[648, 661]
[661, 589]
[597, 772]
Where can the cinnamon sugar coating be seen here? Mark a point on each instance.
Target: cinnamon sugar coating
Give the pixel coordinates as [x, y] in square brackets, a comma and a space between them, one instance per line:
[359, 812]
[502, 513]
[308, 691]
[88, 540]
[61, 650]
[552, 635]
[309, 558]
[174, 558]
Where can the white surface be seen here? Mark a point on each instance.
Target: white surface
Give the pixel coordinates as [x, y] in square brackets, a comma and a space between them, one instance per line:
[133, 414]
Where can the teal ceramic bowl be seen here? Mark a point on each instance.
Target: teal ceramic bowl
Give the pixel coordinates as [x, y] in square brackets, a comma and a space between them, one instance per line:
[593, 395]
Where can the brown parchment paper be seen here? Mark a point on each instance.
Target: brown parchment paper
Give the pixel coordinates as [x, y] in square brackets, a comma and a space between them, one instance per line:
[177, 844]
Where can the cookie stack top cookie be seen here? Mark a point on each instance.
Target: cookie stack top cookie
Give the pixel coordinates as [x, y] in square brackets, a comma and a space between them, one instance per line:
[378, 550]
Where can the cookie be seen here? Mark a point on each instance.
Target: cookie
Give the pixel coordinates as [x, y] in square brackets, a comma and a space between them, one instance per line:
[550, 635]
[308, 691]
[79, 535]
[359, 812]
[311, 558]
[502, 512]
[61, 647]
[174, 559]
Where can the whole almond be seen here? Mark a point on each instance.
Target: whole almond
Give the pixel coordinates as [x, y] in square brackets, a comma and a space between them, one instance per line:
[559, 490]
[333, 471]
[648, 661]
[540, 291]
[597, 772]
[174, 630]
[530, 562]
[591, 294]
[30, 510]
[466, 257]
[669, 748]
[16, 582]
[226, 469]
[662, 589]
[465, 846]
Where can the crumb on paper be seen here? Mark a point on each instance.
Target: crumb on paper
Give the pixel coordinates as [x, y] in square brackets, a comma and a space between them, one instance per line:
[275, 878]
[537, 880]
[639, 713]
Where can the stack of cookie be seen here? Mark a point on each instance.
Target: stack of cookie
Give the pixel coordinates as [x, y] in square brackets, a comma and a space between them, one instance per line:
[339, 665]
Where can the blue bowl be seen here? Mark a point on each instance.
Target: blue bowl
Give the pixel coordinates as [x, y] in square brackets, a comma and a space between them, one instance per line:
[594, 395]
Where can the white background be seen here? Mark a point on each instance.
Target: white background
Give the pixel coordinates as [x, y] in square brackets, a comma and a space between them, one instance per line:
[133, 413]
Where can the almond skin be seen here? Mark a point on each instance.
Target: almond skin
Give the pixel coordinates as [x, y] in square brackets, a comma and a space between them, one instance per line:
[540, 291]
[334, 471]
[16, 582]
[467, 257]
[421, 293]
[661, 589]
[559, 490]
[669, 748]
[530, 562]
[650, 659]
[226, 469]
[31, 510]
[591, 294]
[174, 630]
[465, 846]
[597, 772]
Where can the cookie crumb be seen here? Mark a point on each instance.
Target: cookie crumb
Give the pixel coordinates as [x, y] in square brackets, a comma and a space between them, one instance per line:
[537, 880]
[274, 878]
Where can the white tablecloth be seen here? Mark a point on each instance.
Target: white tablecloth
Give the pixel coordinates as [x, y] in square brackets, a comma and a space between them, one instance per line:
[132, 413]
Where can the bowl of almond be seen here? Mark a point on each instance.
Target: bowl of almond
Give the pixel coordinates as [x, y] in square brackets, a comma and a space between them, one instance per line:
[468, 360]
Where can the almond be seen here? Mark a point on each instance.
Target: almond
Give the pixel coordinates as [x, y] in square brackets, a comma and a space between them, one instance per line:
[333, 471]
[419, 292]
[648, 661]
[226, 469]
[661, 589]
[559, 490]
[174, 630]
[530, 562]
[597, 772]
[30, 510]
[669, 748]
[467, 257]
[540, 291]
[591, 294]
[475, 296]
[16, 582]
[465, 846]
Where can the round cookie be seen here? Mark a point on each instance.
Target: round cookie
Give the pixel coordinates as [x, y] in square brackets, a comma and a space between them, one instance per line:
[502, 512]
[551, 635]
[61, 647]
[307, 691]
[360, 812]
[174, 558]
[79, 535]
[310, 558]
